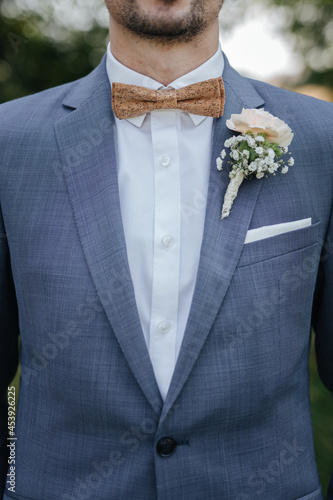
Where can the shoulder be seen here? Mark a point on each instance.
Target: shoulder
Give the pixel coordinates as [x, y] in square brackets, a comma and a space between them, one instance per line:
[42, 109]
[302, 113]
[294, 103]
[276, 100]
[310, 119]
[18, 111]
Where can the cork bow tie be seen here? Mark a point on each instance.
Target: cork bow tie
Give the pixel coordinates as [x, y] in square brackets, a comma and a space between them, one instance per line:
[203, 98]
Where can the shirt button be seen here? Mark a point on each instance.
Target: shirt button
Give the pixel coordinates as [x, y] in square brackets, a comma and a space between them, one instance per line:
[164, 327]
[165, 161]
[167, 240]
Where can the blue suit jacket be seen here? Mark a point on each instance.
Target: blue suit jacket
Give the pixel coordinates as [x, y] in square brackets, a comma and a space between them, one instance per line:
[90, 414]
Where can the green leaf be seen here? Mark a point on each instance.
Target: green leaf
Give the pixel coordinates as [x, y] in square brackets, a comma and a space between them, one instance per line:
[242, 146]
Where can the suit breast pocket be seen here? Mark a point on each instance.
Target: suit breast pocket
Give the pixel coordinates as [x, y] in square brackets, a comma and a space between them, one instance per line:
[279, 245]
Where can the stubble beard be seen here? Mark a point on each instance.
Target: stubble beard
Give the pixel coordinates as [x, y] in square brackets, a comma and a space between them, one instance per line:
[162, 29]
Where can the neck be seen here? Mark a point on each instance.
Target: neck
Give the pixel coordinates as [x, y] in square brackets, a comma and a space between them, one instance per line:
[164, 63]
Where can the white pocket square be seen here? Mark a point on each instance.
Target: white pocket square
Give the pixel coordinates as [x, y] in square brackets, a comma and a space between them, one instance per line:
[261, 233]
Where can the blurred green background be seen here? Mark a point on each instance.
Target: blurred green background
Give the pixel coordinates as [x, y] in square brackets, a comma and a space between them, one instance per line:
[47, 42]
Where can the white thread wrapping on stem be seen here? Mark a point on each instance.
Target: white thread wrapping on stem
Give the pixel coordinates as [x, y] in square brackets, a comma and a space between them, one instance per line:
[231, 193]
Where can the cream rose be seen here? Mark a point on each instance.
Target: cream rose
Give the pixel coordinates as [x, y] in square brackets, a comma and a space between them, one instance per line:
[258, 121]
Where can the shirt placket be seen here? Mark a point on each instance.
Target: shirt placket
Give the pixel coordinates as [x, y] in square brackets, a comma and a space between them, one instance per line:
[166, 252]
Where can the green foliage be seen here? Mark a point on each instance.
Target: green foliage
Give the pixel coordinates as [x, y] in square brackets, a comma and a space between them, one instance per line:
[310, 23]
[31, 62]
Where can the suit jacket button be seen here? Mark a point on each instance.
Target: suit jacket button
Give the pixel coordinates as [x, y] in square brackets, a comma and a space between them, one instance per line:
[166, 447]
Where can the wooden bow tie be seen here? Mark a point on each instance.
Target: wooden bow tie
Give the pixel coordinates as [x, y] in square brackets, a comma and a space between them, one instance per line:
[203, 98]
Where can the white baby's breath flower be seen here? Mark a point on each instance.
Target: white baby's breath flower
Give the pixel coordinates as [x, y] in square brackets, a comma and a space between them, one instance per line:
[291, 162]
[260, 175]
[260, 138]
[271, 153]
[219, 163]
[259, 150]
[251, 142]
[284, 169]
[246, 153]
[223, 154]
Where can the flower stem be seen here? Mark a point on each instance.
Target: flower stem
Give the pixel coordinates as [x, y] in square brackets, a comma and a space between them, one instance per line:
[231, 193]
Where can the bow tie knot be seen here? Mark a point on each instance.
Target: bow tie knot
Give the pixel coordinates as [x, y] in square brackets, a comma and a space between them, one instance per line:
[203, 98]
[166, 99]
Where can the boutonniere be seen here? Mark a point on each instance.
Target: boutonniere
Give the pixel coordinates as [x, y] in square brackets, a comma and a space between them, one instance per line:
[257, 152]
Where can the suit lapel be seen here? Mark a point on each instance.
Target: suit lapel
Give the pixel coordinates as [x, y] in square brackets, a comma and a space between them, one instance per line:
[87, 151]
[222, 240]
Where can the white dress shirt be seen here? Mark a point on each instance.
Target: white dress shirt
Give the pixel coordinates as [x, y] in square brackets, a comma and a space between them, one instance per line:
[163, 160]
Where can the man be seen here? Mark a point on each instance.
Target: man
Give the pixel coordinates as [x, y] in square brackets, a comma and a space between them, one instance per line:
[163, 355]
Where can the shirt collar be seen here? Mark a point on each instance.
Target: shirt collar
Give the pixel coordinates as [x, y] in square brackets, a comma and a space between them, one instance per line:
[117, 72]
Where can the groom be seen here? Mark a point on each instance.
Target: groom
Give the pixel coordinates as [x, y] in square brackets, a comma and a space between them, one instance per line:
[164, 351]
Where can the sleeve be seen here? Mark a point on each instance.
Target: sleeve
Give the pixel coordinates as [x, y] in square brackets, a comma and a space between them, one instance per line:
[323, 319]
[9, 331]
[323, 311]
